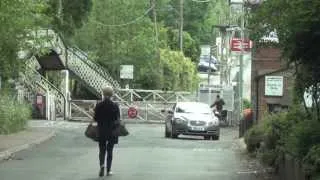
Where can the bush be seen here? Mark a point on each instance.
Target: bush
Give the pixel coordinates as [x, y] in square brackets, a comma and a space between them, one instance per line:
[253, 137]
[179, 72]
[303, 136]
[269, 138]
[312, 161]
[293, 133]
[13, 115]
[246, 104]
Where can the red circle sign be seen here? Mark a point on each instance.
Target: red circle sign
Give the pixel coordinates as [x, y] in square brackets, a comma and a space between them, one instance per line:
[132, 112]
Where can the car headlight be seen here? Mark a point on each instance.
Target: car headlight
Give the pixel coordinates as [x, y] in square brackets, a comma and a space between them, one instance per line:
[213, 123]
[180, 121]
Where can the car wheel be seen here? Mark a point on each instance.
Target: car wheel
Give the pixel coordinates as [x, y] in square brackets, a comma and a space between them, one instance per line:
[174, 135]
[216, 137]
[206, 137]
[166, 133]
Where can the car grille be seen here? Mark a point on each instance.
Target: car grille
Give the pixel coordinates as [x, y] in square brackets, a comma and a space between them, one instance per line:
[197, 123]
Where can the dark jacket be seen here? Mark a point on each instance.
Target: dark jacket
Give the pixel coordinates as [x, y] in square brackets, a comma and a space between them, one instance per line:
[106, 114]
[219, 104]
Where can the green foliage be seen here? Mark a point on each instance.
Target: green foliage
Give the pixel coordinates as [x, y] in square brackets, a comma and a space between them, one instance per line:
[117, 45]
[312, 162]
[191, 47]
[253, 137]
[13, 115]
[297, 24]
[17, 19]
[303, 136]
[198, 17]
[198, 20]
[69, 15]
[290, 133]
[179, 72]
[246, 104]
[111, 45]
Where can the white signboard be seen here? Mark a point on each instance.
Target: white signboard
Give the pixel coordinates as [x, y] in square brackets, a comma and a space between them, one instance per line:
[273, 86]
[255, 2]
[126, 72]
[236, 1]
[228, 97]
[271, 37]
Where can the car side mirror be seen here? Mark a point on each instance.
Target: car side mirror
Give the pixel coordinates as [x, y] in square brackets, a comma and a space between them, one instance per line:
[170, 112]
[163, 110]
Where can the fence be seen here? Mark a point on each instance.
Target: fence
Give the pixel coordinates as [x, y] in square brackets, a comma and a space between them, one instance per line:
[147, 111]
[291, 169]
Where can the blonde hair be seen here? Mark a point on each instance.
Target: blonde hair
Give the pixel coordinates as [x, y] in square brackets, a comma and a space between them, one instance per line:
[107, 92]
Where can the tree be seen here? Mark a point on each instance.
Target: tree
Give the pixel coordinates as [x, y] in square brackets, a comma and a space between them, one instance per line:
[17, 19]
[118, 32]
[191, 47]
[68, 15]
[297, 25]
[121, 32]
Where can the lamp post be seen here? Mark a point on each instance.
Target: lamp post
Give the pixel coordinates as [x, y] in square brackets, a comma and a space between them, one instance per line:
[240, 2]
[222, 29]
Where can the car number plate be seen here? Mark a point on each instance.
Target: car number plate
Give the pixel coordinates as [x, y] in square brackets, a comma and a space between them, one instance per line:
[197, 128]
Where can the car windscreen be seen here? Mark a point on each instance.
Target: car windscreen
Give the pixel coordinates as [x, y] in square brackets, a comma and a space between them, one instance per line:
[193, 108]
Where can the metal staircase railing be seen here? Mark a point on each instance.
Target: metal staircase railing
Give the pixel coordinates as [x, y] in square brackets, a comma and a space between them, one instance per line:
[115, 84]
[34, 80]
[93, 75]
[89, 72]
[78, 62]
[81, 68]
[52, 41]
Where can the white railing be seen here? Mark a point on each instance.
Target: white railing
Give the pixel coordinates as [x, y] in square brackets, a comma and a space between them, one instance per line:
[132, 95]
[149, 104]
[37, 82]
[81, 68]
[95, 67]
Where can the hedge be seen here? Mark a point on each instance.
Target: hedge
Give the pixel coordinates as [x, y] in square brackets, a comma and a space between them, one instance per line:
[13, 115]
[292, 133]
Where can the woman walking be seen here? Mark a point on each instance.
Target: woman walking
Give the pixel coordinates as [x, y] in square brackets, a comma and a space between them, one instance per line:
[107, 116]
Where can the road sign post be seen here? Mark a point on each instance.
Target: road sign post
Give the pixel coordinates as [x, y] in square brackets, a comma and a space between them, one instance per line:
[126, 73]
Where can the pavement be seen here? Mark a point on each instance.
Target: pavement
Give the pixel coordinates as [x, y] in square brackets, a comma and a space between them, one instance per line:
[144, 154]
[13, 143]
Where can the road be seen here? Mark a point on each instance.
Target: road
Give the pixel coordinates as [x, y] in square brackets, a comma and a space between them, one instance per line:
[144, 155]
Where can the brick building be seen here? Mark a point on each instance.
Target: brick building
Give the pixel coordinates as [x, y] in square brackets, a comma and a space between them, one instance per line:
[271, 82]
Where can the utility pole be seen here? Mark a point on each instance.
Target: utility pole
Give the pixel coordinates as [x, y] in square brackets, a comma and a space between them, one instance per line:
[181, 26]
[241, 61]
[154, 17]
[212, 48]
[60, 9]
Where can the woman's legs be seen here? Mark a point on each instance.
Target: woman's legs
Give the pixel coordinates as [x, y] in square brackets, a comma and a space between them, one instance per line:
[102, 155]
[110, 146]
[102, 152]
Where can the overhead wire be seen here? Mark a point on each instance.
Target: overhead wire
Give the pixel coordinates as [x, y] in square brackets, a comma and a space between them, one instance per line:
[126, 23]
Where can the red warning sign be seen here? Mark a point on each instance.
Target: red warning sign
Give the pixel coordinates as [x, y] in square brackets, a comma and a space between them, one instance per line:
[132, 112]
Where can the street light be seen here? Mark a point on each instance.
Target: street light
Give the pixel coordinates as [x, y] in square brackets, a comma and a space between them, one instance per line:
[222, 29]
[242, 3]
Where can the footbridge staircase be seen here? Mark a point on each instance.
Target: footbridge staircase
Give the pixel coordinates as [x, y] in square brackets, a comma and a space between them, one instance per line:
[73, 60]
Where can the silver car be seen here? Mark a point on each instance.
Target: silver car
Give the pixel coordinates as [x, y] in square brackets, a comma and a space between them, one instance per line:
[192, 118]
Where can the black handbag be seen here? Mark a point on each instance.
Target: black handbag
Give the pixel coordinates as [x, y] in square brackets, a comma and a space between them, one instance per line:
[92, 132]
[120, 129]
